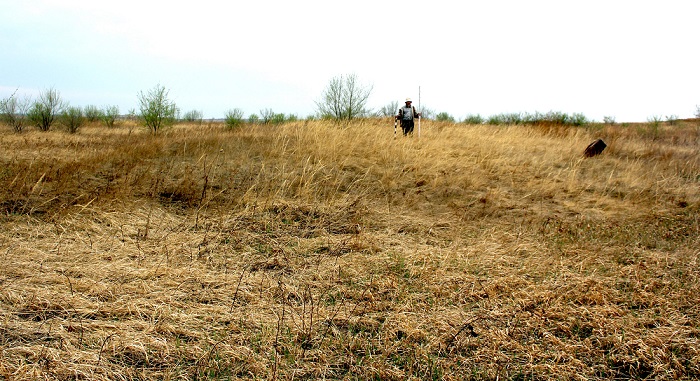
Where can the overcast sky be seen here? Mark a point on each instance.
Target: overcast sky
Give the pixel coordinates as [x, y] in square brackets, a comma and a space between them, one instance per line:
[627, 59]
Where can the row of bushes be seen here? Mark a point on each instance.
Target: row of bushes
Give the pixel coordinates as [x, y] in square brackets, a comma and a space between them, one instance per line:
[49, 109]
[155, 112]
[552, 117]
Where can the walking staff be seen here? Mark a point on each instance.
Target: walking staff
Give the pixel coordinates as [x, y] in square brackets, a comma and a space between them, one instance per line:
[419, 113]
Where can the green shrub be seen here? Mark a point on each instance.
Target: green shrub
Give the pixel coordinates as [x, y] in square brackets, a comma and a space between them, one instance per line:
[45, 110]
[444, 117]
[578, 119]
[254, 119]
[72, 118]
[278, 118]
[555, 117]
[506, 118]
[496, 120]
[233, 118]
[92, 113]
[157, 111]
[551, 117]
[109, 115]
[473, 119]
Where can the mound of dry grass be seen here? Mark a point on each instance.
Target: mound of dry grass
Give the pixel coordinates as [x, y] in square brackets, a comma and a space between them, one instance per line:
[311, 250]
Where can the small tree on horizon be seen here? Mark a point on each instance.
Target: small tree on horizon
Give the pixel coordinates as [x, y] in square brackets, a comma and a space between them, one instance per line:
[13, 111]
[266, 115]
[344, 98]
[444, 117]
[473, 119]
[109, 115]
[92, 113]
[389, 109]
[44, 111]
[233, 118]
[278, 118]
[72, 118]
[426, 112]
[157, 111]
[193, 116]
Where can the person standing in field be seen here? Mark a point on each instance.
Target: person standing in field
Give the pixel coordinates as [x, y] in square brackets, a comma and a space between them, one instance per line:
[407, 115]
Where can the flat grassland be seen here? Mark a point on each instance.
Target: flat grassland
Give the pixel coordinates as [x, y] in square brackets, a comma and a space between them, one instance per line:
[311, 250]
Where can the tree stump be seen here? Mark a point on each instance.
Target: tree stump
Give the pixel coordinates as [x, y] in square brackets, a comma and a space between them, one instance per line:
[595, 148]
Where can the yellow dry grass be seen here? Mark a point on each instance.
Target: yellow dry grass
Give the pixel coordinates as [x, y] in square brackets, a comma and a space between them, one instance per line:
[311, 250]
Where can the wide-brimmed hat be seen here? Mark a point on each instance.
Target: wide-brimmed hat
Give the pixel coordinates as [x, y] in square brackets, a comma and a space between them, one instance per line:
[408, 100]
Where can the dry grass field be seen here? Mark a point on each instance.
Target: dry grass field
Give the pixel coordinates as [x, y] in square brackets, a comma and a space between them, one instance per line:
[316, 251]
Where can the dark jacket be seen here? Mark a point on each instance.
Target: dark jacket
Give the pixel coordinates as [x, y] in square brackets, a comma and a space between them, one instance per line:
[401, 112]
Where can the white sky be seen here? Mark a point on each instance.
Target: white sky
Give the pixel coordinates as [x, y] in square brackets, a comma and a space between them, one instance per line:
[627, 59]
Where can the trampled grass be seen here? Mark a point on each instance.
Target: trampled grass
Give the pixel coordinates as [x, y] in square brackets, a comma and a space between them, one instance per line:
[311, 250]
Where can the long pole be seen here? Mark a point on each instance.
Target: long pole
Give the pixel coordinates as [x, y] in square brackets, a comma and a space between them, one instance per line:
[419, 110]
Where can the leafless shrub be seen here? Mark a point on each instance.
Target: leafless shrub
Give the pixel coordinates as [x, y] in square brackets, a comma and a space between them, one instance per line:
[13, 111]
